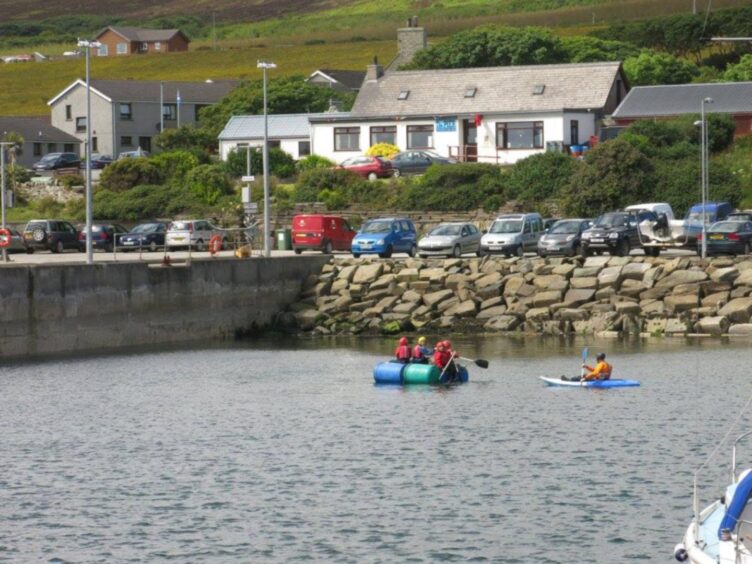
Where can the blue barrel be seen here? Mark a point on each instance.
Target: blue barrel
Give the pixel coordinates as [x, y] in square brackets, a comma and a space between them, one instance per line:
[463, 374]
[388, 373]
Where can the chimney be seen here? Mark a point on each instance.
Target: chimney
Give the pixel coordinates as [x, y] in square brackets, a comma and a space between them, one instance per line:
[410, 40]
[374, 71]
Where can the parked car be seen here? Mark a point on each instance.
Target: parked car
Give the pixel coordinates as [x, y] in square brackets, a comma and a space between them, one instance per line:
[513, 234]
[103, 236]
[548, 223]
[386, 236]
[564, 237]
[658, 209]
[98, 161]
[193, 233]
[51, 235]
[56, 161]
[416, 162]
[450, 239]
[739, 216]
[133, 154]
[615, 232]
[368, 167]
[324, 233]
[18, 244]
[728, 237]
[148, 236]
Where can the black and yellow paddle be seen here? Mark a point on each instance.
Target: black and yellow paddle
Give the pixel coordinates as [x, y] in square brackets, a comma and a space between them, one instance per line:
[481, 362]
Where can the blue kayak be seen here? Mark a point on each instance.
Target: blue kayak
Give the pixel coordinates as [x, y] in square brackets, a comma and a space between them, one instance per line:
[614, 383]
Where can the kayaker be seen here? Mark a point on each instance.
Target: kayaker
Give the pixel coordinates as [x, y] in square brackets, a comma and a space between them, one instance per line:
[402, 352]
[602, 370]
[421, 353]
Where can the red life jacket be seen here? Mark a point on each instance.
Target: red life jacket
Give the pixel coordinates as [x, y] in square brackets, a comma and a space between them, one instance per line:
[402, 352]
[440, 359]
[418, 352]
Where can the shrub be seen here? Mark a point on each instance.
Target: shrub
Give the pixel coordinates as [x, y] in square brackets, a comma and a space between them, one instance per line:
[187, 137]
[312, 182]
[313, 161]
[71, 180]
[127, 173]
[175, 165]
[659, 68]
[454, 187]
[540, 177]
[208, 182]
[386, 150]
[281, 164]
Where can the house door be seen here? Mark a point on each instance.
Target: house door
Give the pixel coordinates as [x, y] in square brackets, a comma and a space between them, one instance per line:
[145, 143]
[470, 140]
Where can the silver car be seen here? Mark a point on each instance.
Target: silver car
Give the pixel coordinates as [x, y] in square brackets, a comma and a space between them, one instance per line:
[563, 238]
[194, 233]
[450, 239]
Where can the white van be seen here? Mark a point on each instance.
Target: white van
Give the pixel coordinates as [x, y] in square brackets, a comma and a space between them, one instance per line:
[513, 234]
[194, 233]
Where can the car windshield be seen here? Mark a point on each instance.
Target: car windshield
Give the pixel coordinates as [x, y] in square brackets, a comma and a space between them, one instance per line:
[377, 227]
[146, 228]
[35, 224]
[506, 226]
[697, 215]
[612, 220]
[432, 155]
[566, 227]
[50, 157]
[180, 226]
[444, 230]
[727, 226]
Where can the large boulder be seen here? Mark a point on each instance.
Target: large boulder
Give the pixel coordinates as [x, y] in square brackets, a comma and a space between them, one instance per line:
[575, 298]
[609, 276]
[652, 308]
[741, 329]
[584, 283]
[512, 284]
[596, 323]
[718, 299]
[544, 282]
[737, 310]
[502, 323]
[599, 261]
[347, 273]
[368, 273]
[405, 307]
[307, 318]
[679, 303]
[678, 277]
[565, 270]
[490, 312]
[538, 314]
[435, 298]
[463, 309]
[586, 272]
[488, 280]
[408, 275]
[728, 274]
[454, 280]
[675, 326]
[712, 325]
[627, 308]
[545, 299]
[745, 278]
[491, 302]
[634, 270]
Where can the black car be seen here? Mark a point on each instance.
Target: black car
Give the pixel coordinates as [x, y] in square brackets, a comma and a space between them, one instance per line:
[98, 161]
[563, 238]
[102, 236]
[729, 238]
[615, 232]
[56, 161]
[148, 236]
[416, 162]
[52, 235]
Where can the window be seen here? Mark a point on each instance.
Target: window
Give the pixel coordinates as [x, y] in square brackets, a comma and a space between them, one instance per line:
[126, 141]
[80, 124]
[420, 136]
[574, 132]
[386, 134]
[275, 144]
[157, 46]
[470, 92]
[37, 149]
[403, 95]
[304, 148]
[68, 113]
[69, 148]
[122, 48]
[170, 111]
[519, 135]
[539, 89]
[52, 147]
[94, 145]
[144, 47]
[102, 51]
[125, 112]
[347, 139]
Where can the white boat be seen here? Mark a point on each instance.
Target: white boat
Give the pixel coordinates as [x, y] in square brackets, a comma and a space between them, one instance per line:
[722, 532]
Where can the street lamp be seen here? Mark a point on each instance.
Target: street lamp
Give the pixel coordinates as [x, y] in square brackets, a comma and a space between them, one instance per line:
[88, 45]
[3, 145]
[266, 65]
[705, 177]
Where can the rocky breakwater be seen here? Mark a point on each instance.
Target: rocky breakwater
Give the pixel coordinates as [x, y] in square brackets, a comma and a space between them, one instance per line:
[598, 295]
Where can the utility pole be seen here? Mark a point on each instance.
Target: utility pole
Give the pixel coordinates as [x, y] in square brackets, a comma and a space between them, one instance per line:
[161, 106]
[214, 29]
[694, 7]
[3, 145]
[266, 65]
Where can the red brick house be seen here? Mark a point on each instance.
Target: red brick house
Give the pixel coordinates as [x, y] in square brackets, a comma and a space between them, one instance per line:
[118, 40]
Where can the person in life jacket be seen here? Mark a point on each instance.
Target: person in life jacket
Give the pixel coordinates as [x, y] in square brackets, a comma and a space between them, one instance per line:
[445, 361]
[602, 370]
[402, 352]
[421, 353]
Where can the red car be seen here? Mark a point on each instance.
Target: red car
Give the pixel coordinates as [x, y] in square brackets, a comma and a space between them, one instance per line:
[324, 233]
[368, 167]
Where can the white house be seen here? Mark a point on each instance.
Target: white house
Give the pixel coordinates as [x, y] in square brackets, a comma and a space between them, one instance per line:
[496, 115]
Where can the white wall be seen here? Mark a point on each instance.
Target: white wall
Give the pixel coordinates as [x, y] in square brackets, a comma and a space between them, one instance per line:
[290, 146]
[101, 118]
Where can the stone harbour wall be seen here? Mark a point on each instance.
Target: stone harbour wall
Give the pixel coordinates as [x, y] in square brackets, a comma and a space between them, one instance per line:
[600, 295]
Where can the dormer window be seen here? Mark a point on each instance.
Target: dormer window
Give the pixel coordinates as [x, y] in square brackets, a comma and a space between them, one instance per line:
[403, 95]
[538, 89]
[470, 92]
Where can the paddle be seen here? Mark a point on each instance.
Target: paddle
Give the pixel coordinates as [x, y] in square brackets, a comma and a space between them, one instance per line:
[482, 362]
[584, 358]
[441, 376]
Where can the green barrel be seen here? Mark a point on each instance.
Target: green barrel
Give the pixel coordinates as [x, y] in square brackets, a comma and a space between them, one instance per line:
[284, 239]
[421, 374]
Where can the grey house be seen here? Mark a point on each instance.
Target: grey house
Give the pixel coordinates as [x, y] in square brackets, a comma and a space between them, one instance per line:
[126, 113]
[340, 80]
[40, 138]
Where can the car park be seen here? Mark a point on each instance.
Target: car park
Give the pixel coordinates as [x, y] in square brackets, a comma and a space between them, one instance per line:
[368, 167]
[563, 237]
[513, 234]
[147, 236]
[192, 233]
[728, 237]
[57, 161]
[417, 162]
[51, 235]
[98, 161]
[450, 239]
[103, 236]
[615, 232]
[386, 236]
[317, 232]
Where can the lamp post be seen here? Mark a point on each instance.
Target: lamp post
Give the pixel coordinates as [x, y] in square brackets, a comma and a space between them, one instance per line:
[705, 177]
[266, 65]
[3, 145]
[88, 45]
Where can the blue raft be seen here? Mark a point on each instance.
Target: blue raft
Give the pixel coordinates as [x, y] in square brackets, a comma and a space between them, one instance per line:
[614, 383]
[399, 374]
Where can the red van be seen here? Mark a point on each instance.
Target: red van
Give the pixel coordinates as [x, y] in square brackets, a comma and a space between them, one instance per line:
[324, 233]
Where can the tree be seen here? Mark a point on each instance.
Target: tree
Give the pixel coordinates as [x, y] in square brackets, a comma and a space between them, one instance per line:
[489, 46]
[740, 72]
[208, 182]
[187, 138]
[540, 177]
[586, 49]
[124, 174]
[281, 164]
[659, 68]
[614, 174]
[16, 174]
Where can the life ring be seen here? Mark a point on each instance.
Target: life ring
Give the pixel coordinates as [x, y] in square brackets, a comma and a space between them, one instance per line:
[5, 238]
[215, 244]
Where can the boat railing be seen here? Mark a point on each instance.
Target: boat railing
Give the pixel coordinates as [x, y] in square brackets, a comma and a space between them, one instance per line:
[733, 455]
[739, 546]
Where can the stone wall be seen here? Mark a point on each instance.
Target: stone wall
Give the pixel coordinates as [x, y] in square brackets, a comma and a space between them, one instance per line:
[46, 309]
[598, 295]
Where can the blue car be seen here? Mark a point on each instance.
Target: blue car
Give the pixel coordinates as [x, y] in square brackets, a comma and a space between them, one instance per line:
[147, 236]
[386, 236]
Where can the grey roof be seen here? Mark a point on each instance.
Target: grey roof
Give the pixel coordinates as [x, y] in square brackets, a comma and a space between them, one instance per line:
[499, 89]
[148, 90]
[649, 101]
[350, 78]
[281, 126]
[35, 129]
[141, 34]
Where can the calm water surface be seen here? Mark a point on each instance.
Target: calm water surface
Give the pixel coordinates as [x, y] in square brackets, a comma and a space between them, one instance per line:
[282, 451]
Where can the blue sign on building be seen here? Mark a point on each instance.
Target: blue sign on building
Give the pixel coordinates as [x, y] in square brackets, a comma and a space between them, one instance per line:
[446, 125]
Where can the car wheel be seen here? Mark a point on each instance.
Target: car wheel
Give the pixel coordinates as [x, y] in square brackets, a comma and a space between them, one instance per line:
[574, 250]
[39, 235]
[541, 254]
[356, 255]
[29, 250]
[200, 245]
[747, 248]
[413, 251]
[480, 252]
[109, 248]
[328, 248]
[519, 251]
[456, 251]
[298, 251]
[372, 176]
[59, 247]
[387, 253]
[153, 247]
[624, 248]
[584, 251]
[81, 248]
[423, 256]
[397, 173]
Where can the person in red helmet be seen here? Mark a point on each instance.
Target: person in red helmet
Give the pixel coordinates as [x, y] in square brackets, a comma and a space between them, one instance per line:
[439, 358]
[403, 352]
[445, 361]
